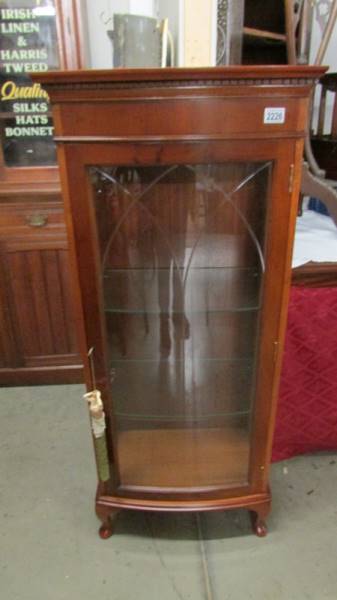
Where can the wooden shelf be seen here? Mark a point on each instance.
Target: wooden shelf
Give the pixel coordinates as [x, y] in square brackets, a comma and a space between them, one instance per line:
[182, 459]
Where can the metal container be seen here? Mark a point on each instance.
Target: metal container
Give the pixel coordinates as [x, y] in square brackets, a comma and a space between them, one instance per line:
[137, 41]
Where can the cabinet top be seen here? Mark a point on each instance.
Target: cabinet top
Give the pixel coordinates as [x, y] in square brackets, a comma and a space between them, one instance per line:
[166, 77]
[219, 101]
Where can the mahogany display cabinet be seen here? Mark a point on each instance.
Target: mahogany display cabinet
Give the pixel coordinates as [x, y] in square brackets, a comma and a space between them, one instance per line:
[181, 191]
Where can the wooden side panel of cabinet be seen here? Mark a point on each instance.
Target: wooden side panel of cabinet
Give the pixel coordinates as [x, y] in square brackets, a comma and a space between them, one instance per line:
[37, 341]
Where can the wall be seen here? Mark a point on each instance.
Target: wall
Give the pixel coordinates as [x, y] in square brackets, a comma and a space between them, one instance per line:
[141, 7]
[199, 33]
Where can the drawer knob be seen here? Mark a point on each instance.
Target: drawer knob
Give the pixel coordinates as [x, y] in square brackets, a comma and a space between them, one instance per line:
[37, 220]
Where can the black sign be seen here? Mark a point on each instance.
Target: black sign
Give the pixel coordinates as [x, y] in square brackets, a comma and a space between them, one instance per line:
[28, 43]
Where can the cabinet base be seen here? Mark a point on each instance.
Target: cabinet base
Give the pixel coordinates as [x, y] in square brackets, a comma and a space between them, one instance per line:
[107, 508]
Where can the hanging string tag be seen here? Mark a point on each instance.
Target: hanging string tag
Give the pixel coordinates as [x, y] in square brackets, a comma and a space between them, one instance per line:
[96, 412]
[98, 425]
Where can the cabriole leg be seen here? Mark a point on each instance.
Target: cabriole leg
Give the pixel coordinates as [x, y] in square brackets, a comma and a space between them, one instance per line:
[258, 516]
[107, 515]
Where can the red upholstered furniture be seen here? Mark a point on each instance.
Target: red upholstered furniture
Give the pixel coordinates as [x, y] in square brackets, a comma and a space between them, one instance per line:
[307, 410]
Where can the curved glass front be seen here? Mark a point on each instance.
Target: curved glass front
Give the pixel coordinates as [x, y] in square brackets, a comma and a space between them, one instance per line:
[182, 255]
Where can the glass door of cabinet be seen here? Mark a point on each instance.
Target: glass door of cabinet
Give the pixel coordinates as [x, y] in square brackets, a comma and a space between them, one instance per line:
[182, 267]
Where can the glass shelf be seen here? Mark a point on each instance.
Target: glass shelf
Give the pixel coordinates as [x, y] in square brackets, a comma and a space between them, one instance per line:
[186, 418]
[226, 335]
[191, 337]
[179, 312]
[159, 360]
[181, 390]
[194, 289]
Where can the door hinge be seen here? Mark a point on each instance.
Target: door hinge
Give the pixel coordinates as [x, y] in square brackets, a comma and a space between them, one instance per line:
[291, 178]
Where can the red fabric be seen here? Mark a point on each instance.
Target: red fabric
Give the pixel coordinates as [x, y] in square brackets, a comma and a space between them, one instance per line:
[307, 409]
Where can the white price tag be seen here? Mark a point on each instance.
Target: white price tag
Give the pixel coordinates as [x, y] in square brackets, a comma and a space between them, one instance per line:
[274, 115]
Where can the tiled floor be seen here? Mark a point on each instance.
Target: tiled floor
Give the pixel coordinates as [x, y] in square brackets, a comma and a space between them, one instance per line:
[50, 550]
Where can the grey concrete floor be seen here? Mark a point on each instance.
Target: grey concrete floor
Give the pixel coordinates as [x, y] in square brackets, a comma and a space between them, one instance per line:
[50, 549]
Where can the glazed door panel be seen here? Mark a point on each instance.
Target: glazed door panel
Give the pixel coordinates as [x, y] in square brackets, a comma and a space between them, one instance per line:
[182, 260]
[178, 264]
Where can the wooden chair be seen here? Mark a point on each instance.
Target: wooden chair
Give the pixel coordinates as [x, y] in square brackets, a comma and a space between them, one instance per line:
[324, 137]
[277, 32]
[315, 183]
[296, 38]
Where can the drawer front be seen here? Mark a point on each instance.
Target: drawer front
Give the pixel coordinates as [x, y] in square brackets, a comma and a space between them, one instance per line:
[32, 225]
[32, 216]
